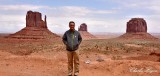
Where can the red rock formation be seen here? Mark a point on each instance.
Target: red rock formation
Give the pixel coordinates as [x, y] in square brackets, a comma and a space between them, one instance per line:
[83, 27]
[83, 31]
[35, 28]
[136, 25]
[34, 19]
[137, 29]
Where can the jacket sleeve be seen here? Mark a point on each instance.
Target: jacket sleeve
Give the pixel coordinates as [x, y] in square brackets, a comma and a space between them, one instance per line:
[64, 38]
[79, 39]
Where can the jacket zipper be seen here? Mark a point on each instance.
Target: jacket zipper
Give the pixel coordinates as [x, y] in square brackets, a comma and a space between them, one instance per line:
[72, 40]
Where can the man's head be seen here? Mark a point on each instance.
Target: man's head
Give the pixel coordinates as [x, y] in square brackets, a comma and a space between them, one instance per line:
[71, 25]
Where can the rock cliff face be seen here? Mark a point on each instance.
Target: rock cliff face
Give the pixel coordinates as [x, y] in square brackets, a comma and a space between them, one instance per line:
[83, 27]
[35, 28]
[136, 25]
[84, 33]
[137, 29]
[34, 19]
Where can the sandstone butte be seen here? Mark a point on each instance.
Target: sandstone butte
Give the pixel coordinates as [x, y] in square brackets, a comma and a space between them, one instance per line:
[84, 32]
[36, 28]
[137, 29]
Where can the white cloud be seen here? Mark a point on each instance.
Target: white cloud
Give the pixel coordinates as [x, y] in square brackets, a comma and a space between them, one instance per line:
[75, 11]
[98, 20]
[139, 4]
[57, 17]
[20, 7]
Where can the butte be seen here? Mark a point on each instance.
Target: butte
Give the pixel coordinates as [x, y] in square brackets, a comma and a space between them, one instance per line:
[84, 32]
[137, 29]
[36, 28]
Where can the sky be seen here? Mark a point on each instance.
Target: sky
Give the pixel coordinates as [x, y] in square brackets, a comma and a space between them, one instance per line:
[100, 15]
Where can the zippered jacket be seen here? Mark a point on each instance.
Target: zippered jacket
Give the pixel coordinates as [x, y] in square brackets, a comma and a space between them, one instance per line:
[72, 40]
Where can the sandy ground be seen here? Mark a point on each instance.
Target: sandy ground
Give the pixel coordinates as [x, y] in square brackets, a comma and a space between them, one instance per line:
[105, 57]
[55, 64]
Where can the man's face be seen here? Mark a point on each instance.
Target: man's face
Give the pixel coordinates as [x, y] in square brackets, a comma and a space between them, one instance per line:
[71, 26]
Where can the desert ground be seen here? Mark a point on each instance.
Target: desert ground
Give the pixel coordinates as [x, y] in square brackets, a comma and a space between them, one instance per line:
[98, 57]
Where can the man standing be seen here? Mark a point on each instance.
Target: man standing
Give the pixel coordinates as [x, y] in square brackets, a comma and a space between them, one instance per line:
[72, 40]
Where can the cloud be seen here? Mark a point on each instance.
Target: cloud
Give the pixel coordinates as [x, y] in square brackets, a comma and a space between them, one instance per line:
[147, 9]
[76, 11]
[139, 4]
[57, 17]
[21, 7]
[112, 19]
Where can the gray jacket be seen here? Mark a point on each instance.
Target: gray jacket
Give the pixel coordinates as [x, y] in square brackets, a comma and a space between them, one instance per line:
[72, 40]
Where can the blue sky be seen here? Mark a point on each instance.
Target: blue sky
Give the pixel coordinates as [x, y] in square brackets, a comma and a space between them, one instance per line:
[99, 15]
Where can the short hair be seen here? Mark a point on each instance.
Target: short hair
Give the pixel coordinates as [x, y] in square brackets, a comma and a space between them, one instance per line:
[71, 22]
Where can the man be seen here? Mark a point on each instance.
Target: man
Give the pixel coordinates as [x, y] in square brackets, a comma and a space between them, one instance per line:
[72, 40]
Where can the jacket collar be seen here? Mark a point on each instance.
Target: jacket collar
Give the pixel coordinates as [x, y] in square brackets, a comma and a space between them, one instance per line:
[72, 31]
